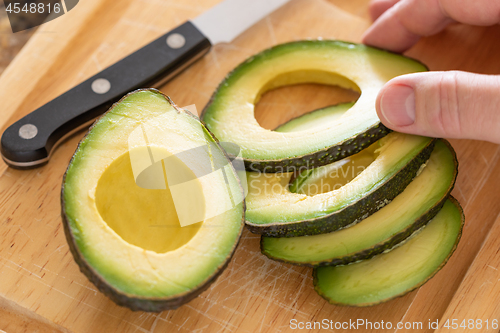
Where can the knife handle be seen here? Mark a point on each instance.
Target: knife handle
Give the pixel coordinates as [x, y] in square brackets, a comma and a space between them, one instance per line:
[29, 142]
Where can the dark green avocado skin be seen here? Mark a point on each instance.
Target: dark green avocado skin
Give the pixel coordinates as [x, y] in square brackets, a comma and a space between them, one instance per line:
[135, 303]
[322, 157]
[353, 212]
[391, 242]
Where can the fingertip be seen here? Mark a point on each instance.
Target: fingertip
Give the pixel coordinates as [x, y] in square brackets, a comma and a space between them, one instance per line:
[389, 34]
[379, 110]
[396, 105]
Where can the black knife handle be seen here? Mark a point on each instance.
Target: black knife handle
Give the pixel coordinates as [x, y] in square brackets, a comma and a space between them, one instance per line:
[29, 142]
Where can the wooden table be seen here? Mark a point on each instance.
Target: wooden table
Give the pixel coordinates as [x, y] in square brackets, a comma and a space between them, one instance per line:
[41, 287]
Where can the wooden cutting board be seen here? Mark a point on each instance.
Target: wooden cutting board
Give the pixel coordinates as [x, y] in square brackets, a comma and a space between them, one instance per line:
[41, 288]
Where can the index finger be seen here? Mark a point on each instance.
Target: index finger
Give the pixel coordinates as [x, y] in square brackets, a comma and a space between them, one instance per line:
[378, 7]
[401, 26]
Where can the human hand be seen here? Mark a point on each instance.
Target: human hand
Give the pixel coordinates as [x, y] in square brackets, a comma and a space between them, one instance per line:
[440, 104]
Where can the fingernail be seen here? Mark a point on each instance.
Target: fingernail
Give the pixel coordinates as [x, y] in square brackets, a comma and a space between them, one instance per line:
[398, 105]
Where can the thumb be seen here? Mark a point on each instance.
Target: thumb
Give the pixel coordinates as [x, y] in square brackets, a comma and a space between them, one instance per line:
[443, 104]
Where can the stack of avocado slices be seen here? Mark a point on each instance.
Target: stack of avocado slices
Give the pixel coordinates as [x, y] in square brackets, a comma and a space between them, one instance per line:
[381, 256]
[334, 189]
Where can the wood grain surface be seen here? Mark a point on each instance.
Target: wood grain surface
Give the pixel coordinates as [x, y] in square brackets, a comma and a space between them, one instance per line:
[41, 285]
[10, 44]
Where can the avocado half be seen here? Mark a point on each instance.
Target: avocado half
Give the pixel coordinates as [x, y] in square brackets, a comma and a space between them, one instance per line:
[408, 212]
[150, 222]
[388, 166]
[230, 113]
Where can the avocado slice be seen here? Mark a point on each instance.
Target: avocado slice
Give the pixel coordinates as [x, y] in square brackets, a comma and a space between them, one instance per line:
[315, 118]
[408, 212]
[393, 274]
[274, 211]
[230, 113]
[123, 220]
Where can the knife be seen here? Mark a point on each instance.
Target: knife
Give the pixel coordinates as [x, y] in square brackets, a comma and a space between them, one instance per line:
[30, 141]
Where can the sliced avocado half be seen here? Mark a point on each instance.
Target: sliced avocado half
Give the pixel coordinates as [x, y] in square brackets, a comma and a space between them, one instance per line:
[393, 274]
[230, 113]
[274, 211]
[392, 224]
[144, 219]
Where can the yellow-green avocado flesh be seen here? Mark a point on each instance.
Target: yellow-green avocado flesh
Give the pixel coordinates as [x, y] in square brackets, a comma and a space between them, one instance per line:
[127, 239]
[397, 272]
[230, 113]
[315, 118]
[409, 211]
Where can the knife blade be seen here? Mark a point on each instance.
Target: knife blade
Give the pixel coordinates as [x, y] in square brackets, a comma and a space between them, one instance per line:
[29, 142]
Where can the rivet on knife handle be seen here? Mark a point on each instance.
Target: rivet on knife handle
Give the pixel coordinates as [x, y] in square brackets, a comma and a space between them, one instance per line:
[29, 142]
